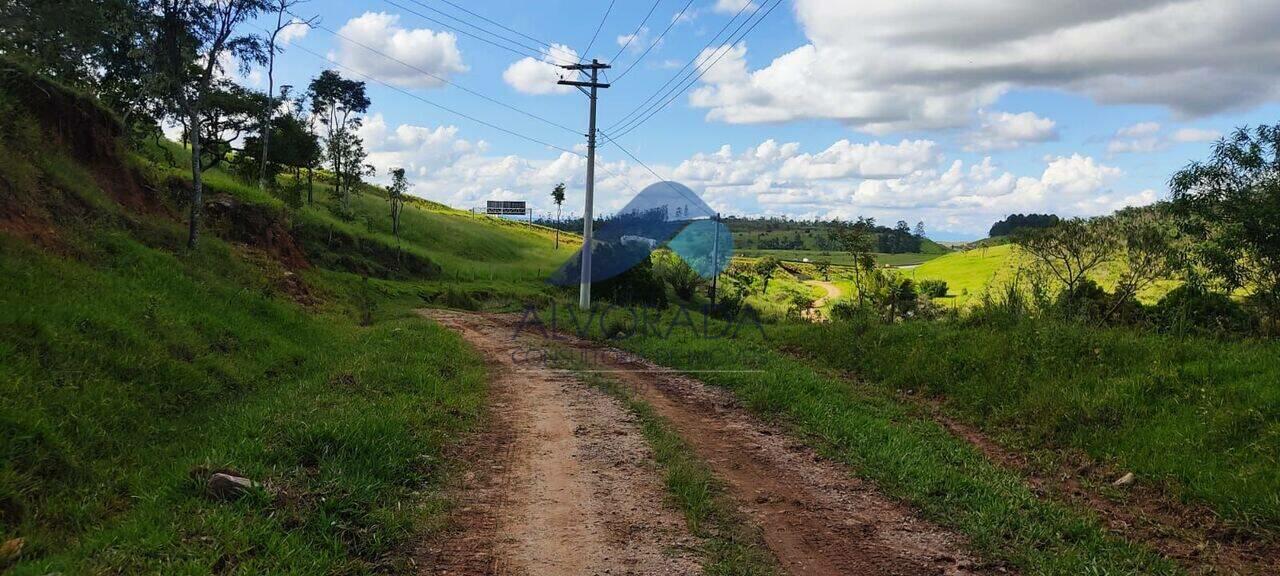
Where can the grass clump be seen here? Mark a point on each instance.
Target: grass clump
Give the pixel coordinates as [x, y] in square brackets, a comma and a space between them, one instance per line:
[1197, 414]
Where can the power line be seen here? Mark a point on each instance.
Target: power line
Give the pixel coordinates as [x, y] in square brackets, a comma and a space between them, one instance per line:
[682, 68]
[694, 199]
[637, 32]
[534, 54]
[726, 49]
[656, 41]
[531, 49]
[516, 32]
[587, 53]
[446, 80]
[430, 103]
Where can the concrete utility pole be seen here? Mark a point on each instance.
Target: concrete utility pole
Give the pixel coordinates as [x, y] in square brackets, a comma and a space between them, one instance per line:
[584, 289]
[715, 259]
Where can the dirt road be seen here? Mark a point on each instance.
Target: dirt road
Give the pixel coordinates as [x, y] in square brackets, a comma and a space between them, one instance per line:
[814, 313]
[556, 505]
[561, 481]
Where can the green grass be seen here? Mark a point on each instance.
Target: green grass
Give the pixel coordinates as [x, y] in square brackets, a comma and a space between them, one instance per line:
[143, 367]
[131, 368]
[910, 458]
[1198, 416]
[969, 273]
[729, 545]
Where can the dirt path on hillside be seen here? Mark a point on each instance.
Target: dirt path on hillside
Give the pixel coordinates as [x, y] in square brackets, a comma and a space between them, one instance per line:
[814, 313]
[816, 518]
[561, 481]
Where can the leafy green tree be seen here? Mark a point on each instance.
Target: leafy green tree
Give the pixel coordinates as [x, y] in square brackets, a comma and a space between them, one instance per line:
[1231, 205]
[859, 240]
[280, 7]
[920, 230]
[765, 267]
[337, 104]
[397, 193]
[1069, 250]
[1143, 242]
[191, 39]
[557, 196]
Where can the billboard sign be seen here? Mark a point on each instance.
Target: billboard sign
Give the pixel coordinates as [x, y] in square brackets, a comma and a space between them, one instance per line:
[506, 207]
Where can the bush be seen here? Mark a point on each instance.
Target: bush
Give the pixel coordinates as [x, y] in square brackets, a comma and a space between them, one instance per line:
[637, 285]
[933, 288]
[684, 280]
[848, 310]
[1190, 308]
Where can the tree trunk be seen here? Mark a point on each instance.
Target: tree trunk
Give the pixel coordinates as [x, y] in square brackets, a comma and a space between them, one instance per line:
[197, 184]
[310, 188]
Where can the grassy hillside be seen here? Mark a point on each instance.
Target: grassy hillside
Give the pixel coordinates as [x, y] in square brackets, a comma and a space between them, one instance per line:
[968, 273]
[281, 350]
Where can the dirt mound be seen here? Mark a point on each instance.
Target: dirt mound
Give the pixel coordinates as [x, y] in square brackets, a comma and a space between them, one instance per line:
[256, 225]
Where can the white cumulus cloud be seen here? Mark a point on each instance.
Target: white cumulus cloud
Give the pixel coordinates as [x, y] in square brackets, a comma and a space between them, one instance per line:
[539, 76]
[886, 65]
[424, 55]
[1151, 137]
[1006, 131]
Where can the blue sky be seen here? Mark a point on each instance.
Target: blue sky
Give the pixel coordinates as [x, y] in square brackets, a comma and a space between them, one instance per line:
[951, 113]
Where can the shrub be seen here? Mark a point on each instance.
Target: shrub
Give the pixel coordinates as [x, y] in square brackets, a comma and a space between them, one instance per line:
[933, 288]
[637, 285]
[848, 310]
[1190, 308]
[684, 280]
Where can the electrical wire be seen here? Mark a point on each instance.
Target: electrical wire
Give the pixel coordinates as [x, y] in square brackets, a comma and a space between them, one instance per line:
[679, 72]
[727, 48]
[549, 45]
[434, 104]
[694, 199]
[656, 41]
[533, 50]
[637, 32]
[587, 53]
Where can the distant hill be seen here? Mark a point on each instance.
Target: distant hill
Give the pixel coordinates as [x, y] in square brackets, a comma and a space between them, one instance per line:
[783, 234]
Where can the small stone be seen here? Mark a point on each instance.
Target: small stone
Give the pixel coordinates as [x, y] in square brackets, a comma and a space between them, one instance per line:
[10, 550]
[1125, 480]
[226, 487]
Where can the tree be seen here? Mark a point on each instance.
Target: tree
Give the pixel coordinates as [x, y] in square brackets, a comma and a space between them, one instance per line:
[858, 239]
[191, 39]
[1069, 250]
[280, 7]
[1143, 241]
[920, 229]
[1231, 205]
[824, 268]
[765, 267]
[397, 192]
[557, 196]
[337, 102]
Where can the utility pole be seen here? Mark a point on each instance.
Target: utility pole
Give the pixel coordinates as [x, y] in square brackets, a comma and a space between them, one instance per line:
[715, 260]
[584, 289]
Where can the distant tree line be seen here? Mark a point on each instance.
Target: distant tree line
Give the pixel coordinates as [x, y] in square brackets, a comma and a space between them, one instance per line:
[1015, 222]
